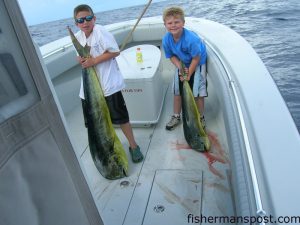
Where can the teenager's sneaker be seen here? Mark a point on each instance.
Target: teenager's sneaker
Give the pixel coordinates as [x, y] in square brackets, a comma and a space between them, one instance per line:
[203, 123]
[175, 120]
[136, 154]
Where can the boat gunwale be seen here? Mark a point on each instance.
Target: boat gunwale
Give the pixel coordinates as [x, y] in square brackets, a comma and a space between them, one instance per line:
[259, 207]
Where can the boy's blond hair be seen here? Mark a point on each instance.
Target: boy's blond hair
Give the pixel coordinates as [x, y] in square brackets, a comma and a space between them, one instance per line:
[173, 11]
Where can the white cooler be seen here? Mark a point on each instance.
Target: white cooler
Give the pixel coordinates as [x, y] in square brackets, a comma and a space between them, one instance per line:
[144, 92]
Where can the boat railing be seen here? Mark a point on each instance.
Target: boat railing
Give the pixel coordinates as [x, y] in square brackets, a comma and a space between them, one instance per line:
[258, 202]
[52, 48]
[62, 44]
[61, 49]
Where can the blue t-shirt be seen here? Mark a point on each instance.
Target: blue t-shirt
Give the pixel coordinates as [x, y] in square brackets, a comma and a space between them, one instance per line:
[186, 48]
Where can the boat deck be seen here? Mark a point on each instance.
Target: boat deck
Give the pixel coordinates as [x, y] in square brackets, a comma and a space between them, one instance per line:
[173, 185]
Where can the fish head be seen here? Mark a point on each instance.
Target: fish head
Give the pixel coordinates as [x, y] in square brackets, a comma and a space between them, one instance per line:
[197, 143]
[115, 168]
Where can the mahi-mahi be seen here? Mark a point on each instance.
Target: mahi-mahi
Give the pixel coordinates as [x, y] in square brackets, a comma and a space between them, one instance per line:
[106, 149]
[193, 130]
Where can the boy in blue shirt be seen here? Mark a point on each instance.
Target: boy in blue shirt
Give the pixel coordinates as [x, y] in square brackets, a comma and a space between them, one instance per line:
[183, 45]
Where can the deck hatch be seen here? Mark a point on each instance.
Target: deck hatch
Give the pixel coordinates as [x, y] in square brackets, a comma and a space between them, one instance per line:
[178, 192]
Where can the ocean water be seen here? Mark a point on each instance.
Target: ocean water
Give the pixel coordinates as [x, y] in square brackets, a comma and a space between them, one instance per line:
[272, 27]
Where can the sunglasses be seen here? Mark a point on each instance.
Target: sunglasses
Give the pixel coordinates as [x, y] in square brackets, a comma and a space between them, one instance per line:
[82, 19]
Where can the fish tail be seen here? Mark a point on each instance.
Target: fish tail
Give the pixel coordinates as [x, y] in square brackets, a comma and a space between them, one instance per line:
[82, 51]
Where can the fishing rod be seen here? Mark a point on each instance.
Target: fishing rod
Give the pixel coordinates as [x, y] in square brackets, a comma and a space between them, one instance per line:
[130, 33]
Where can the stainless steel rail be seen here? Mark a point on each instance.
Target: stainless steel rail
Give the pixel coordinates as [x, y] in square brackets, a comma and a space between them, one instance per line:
[259, 208]
[61, 49]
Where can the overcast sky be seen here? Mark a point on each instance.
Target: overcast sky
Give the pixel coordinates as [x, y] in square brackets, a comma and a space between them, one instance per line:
[40, 11]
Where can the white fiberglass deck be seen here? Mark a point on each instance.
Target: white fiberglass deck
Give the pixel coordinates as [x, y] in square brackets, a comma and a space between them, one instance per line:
[172, 182]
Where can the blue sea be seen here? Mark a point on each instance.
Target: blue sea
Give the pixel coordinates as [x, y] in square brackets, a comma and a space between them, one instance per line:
[272, 27]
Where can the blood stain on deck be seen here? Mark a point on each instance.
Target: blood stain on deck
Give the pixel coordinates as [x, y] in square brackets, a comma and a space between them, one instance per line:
[215, 154]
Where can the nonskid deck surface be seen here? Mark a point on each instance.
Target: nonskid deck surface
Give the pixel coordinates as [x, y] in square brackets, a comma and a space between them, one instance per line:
[172, 182]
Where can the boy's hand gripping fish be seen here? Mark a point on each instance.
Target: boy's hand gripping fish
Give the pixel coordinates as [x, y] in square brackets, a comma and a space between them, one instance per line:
[106, 149]
[194, 133]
